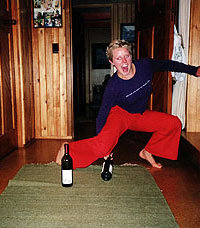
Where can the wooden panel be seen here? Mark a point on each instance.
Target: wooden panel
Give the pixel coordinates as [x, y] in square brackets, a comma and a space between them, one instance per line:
[52, 75]
[1, 95]
[56, 85]
[22, 41]
[26, 63]
[155, 21]
[193, 95]
[7, 94]
[69, 71]
[43, 80]
[15, 14]
[146, 36]
[160, 80]
[6, 100]
[121, 13]
[65, 107]
[36, 81]
[50, 130]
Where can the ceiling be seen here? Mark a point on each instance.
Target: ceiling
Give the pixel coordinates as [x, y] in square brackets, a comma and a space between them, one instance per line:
[95, 16]
[95, 13]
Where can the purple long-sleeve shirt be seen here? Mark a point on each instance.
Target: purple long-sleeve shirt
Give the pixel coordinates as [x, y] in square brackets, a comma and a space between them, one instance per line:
[132, 95]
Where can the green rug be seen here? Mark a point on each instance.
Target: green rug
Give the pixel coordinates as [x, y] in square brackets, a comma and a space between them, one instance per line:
[35, 198]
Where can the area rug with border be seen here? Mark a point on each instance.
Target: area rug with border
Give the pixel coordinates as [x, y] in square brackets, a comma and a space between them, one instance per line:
[131, 199]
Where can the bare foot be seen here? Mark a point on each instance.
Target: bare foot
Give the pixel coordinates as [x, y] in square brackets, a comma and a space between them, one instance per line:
[60, 154]
[147, 156]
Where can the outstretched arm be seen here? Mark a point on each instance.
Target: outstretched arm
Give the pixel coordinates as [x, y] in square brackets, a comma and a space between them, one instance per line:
[174, 66]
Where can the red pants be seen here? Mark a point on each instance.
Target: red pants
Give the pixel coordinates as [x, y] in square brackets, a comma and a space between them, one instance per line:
[163, 143]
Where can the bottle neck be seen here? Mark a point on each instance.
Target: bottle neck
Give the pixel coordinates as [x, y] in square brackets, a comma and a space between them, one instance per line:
[66, 146]
[108, 159]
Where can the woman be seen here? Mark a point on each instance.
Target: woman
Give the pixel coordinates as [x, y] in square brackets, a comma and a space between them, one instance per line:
[124, 107]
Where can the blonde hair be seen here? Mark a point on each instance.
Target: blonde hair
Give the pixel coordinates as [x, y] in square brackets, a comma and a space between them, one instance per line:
[117, 44]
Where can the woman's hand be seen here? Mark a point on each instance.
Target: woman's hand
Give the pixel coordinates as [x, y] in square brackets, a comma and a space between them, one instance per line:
[108, 156]
[198, 72]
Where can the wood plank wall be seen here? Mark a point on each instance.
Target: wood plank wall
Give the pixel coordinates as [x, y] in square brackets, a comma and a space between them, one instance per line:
[21, 12]
[52, 76]
[155, 24]
[121, 13]
[8, 139]
[193, 90]
[47, 111]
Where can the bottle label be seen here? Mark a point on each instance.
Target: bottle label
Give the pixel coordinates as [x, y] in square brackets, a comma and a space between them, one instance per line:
[110, 169]
[103, 167]
[67, 176]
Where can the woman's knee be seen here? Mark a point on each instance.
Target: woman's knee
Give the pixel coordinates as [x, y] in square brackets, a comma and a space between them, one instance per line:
[173, 123]
[178, 122]
[103, 145]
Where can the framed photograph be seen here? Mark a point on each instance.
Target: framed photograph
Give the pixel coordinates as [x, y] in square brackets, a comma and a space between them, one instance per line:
[127, 32]
[99, 59]
[47, 13]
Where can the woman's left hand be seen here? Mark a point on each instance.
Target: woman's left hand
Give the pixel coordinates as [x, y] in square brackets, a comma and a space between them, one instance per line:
[198, 72]
[108, 156]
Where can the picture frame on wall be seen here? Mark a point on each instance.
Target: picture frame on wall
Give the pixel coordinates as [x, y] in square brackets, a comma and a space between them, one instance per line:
[99, 58]
[127, 32]
[47, 13]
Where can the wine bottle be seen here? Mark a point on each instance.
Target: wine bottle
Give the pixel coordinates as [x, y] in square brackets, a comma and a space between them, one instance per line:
[107, 169]
[66, 168]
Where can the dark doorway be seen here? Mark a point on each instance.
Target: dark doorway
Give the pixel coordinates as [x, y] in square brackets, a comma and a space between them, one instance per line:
[78, 64]
[84, 21]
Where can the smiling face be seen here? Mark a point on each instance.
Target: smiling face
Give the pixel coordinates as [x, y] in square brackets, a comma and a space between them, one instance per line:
[122, 60]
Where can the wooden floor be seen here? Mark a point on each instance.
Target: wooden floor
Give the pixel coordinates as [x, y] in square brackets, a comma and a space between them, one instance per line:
[178, 180]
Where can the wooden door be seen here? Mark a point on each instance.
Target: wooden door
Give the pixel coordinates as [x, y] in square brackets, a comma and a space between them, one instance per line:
[155, 31]
[7, 96]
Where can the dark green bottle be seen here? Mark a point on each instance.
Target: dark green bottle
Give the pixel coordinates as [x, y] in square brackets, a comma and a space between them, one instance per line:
[107, 169]
[67, 168]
